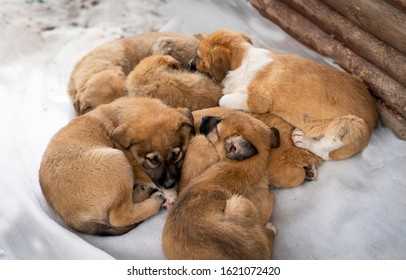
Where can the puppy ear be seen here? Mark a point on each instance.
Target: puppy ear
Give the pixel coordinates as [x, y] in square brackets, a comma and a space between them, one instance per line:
[189, 120]
[171, 62]
[275, 138]
[220, 63]
[122, 136]
[238, 148]
[200, 36]
[246, 38]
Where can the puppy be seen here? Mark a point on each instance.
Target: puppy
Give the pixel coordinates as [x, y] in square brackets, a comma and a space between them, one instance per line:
[224, 212]
[162, 77]
[332, 111]
[99, 77]
[289, 166]
[91, 166]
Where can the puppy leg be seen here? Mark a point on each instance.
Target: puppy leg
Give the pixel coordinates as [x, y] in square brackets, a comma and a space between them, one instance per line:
[142, 191]
[271, 232]
[343, 137]
[125, 212]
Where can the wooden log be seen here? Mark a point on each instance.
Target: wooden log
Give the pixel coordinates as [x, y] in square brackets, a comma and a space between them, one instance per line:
[400, 4]
[377, 17]
[392, 120]
[389, 59]
[382, 86]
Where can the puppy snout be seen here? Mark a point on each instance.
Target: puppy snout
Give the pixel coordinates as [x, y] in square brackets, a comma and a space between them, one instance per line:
[169, 184]
[192, 64]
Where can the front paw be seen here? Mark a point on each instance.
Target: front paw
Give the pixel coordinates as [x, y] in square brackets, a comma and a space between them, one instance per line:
[298, 138]
[170, 197]
[311, 173]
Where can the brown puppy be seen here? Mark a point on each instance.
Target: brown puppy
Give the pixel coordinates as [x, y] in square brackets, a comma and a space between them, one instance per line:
[289, 166]
[333, 112]
[99, 77]
[161, 76]
[224, 212]
[90, 167]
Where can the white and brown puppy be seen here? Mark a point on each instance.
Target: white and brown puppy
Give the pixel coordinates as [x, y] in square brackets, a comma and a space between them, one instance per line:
[99, 77]
[91, 166]
[332, 111]
[224, 212]
[162, 77]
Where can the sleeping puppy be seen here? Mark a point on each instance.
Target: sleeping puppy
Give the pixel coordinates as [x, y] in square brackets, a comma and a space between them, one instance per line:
[99, 77]
[162, 77]
[289, 166]
[224, 212]
[332, 111]
[91, 166]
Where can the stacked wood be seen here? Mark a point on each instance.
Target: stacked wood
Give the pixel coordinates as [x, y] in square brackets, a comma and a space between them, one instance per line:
[382, 66]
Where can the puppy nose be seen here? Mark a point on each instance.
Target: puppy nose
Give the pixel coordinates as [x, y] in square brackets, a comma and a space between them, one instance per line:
[192, 65]
[170, 183]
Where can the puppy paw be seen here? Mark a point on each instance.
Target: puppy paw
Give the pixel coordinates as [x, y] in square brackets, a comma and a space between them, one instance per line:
[157, 194]
[163, 46]
[269, 226]
[298, 138]
[170, 197]
[311, 173]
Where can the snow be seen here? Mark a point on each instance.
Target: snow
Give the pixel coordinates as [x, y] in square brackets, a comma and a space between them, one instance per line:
[355, 210]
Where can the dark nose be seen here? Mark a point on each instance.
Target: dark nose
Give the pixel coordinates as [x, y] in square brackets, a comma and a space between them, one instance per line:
[169, 183]
[192, 64]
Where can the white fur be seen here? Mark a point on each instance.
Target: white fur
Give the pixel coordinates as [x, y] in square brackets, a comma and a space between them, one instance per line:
[170, 195]
[320, 147]
[236, 82]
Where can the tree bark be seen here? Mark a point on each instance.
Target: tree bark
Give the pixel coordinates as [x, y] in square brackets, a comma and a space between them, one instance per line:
[377, 17]
[387, 58]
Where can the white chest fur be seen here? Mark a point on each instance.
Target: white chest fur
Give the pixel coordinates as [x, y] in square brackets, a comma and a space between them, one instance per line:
[237, 81]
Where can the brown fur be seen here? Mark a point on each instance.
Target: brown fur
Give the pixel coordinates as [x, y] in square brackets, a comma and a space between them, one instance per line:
[99, 77]
[224, 212]
[289, 166]
[161, 76]
[324, 103]
[91, 166]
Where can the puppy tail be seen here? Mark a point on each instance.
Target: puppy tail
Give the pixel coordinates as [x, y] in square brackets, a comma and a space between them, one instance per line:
[104, 229]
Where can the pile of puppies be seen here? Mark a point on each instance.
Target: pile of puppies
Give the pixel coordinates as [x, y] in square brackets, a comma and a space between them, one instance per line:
[149, 130]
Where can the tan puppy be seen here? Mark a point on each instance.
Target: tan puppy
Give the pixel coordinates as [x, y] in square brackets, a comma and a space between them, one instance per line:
[224, 212]
[90, 167]
[99, 77]
[333, 112]
[161, 76]
[289, 166]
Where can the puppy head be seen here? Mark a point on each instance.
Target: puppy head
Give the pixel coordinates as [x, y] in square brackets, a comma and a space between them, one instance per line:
[216, 53]
[239, 136]
[157, 136]
[102, 88]
[182, 48]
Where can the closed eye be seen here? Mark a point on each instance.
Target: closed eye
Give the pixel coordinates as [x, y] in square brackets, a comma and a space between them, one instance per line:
[176, 155]
[153, 160]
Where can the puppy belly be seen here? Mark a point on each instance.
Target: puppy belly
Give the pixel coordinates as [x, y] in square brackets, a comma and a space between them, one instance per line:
[235, 101]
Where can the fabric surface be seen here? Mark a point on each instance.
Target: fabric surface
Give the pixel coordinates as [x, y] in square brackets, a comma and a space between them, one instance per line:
[355, 210]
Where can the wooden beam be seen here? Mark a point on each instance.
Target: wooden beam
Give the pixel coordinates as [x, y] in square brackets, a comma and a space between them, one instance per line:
[377, 17]
[387, 58]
